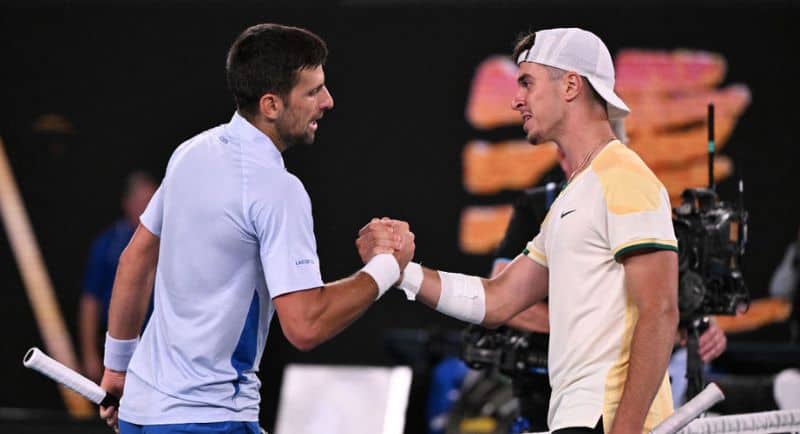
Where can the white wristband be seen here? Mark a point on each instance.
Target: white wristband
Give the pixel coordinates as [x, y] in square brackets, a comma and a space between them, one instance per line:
[463, 297]
[118, 353]
[384, 270]
[412, 280]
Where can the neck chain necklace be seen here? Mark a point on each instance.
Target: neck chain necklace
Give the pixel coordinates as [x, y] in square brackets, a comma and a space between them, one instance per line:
[588, 158]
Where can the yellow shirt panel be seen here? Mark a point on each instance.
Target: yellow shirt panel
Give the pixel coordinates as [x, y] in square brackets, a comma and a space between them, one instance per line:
[629, 186]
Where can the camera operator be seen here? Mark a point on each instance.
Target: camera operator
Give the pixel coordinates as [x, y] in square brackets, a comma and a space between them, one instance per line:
[772, 389]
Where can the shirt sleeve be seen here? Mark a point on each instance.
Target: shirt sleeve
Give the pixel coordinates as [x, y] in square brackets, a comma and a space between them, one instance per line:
[638, 215]
[536, 248]
[285, 230]
[153, 215]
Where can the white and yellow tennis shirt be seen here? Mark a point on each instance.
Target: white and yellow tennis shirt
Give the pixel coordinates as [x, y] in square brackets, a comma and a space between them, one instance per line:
[615, 206]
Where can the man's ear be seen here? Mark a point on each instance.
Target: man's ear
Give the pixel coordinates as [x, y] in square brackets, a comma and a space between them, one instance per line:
[270, 105]
[572, 84]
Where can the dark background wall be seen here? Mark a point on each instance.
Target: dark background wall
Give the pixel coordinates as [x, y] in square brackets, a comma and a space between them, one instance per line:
[135, 81]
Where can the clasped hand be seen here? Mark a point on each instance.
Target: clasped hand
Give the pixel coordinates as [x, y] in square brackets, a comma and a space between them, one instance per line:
[386, 235]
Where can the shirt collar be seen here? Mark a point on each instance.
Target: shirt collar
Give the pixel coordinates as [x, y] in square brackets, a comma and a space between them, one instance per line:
[241, 130]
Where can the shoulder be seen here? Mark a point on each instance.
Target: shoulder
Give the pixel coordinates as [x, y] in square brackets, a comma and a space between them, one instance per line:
[618, 164]
[195, 143]
[275, 188]
[628, 185]
[277, 182]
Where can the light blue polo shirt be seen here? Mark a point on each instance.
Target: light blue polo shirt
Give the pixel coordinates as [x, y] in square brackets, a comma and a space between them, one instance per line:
[236, 231]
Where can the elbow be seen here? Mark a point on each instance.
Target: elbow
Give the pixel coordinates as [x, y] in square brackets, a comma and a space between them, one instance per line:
[303, 338]
[661, 313]
[491, 325]
[672, 315]
[492, 320]
[668, 313]
[304, 346]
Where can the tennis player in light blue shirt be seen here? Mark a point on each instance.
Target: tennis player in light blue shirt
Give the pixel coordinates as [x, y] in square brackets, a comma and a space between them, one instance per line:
[228, 240]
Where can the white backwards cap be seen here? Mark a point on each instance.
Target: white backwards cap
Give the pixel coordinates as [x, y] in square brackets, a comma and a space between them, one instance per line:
[577, 50]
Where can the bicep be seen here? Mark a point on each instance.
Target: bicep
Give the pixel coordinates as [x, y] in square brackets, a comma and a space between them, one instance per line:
[652, 278]
[533, 319]
[523, 274]
[143, 247]
[153, 215]
[292, 304]
[296, 313]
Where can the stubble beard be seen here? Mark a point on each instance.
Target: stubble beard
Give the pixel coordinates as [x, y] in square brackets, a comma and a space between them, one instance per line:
[290, 139]
[533, 138]
[308, 137]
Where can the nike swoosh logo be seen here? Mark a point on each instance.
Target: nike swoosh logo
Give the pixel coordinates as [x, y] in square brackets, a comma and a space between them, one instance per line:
[566, 213]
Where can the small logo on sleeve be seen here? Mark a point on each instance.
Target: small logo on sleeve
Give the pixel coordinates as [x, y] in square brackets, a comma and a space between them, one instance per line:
[304, 262]
[566, 213]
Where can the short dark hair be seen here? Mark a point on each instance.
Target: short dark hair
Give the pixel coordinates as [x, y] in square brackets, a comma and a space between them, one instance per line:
[524, 42]
[265, 58]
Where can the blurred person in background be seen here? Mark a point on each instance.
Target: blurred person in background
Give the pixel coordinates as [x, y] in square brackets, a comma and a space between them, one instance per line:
[784, 285]
[102, 266]
[779, 387]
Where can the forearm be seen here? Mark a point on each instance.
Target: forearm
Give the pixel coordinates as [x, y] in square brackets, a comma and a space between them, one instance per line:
[651, 344]
[536, 318]
[133, 287]
[331, 308]
[463, 297]
[651, 284]
[489, 302]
